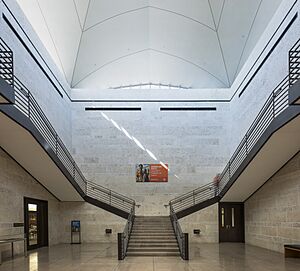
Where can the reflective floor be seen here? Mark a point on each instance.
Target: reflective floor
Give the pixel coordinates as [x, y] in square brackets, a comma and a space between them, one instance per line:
[98, 257]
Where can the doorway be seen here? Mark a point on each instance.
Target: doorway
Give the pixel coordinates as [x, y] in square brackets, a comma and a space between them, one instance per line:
[231, 222]
[36, 223]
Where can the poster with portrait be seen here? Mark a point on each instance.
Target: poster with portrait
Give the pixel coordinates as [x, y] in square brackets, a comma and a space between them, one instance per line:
[151, 173]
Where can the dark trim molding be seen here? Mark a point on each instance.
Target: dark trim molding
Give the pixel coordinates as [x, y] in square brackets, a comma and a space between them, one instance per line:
[188, 109]
[269, 53]
[7, 92]
[197, 207]
[113, 109]
[106, 207]
[30, 52]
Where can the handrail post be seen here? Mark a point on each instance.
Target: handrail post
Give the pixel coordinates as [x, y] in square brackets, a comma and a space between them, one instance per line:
[29, 110]
[194, 197]
[109, 197]
[229, 173]
[74, 170]
[120, 246]
[186, 246]
[273, 103]
[56, 143]
[246, 139]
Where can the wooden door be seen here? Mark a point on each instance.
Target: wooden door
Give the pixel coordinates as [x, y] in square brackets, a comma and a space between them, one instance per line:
[231, 222]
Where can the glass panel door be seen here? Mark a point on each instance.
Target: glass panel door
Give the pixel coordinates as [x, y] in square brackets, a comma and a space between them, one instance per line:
[32, 224]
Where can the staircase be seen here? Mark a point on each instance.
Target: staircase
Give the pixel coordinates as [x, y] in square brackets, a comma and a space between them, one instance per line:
[152, 236]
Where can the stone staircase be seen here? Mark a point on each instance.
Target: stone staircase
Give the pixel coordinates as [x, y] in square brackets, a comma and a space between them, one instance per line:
[152, 236]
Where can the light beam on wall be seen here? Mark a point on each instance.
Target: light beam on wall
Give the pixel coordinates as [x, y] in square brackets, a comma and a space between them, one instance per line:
[151, 155]
[137, 142]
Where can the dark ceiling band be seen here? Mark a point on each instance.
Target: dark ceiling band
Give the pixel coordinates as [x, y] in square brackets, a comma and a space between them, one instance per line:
[113, 109]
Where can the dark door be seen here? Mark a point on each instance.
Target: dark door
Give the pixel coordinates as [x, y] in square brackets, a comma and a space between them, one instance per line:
[36, 222]
[231, 222]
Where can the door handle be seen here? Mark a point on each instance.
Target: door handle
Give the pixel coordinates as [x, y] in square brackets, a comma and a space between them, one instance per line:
[227, 226]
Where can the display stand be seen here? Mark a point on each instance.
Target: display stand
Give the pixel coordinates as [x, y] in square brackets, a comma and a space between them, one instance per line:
[75, 232]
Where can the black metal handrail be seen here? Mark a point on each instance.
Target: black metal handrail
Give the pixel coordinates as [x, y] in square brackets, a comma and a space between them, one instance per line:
[194, 197]
[6, 63]
[27, 105]
[276, 103]
[124, 237]
[294, 63]
[182, 238]
[109, 197]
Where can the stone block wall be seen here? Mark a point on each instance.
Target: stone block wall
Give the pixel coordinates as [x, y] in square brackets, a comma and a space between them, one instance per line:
[15, 184]
[94, 221]
[207, 221]
[193, 144]
[272, 214]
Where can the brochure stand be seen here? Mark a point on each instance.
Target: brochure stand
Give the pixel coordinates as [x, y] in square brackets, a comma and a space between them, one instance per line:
[75, 232]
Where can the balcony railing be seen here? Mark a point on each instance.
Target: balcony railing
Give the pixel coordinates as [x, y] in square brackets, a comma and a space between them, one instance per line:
[294, 63]
[182, 238]
[28, 106]
[6, 63]
[123, 237]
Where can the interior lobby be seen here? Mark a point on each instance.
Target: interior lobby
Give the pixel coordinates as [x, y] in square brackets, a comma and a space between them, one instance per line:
[149, 135]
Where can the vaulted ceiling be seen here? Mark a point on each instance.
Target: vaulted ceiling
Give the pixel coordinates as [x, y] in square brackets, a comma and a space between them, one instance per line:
[108, 43]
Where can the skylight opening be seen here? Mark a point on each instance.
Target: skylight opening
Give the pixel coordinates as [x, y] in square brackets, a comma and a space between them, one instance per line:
[151, 86]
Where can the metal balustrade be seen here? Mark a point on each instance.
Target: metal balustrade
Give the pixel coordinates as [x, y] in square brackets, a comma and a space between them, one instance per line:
[182, 238]
[193, 197]
[6, 63]
[276, 103]
[26, 104]
[294, 63]
[123, 237]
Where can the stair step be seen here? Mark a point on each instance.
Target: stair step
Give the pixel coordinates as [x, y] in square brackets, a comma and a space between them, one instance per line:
[153, 254]
[152, 245]
[145, 239]
[152, 228]
[151, 231]
[158, 249]
[155, 241]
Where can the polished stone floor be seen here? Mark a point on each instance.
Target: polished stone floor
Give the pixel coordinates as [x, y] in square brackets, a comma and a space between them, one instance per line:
[100, 257]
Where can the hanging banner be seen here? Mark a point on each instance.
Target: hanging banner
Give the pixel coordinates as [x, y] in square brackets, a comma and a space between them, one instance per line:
[155, 173]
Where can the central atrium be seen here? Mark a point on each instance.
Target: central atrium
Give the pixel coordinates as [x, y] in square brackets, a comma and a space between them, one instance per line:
[149, 135]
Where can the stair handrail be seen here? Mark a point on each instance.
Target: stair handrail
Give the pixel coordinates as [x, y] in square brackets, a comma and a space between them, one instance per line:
[205, 191]
[181, 237]
[275, 104]
[6, 62]
[109, 196]
[124, 237]
[28, 106]
[294, 63]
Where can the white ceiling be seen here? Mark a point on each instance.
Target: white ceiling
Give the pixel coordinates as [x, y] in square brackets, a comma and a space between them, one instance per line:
[108, 43]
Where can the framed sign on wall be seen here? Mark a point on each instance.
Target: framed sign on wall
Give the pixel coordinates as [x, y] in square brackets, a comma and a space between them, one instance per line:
[151, 173]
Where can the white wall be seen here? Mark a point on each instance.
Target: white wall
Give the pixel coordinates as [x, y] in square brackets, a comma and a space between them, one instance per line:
[194, 144]
[56, 108]
[244, 109]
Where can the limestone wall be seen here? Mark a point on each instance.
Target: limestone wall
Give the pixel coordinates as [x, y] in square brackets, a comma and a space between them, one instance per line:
[207, 221]
[15, 184]
[56, 108]
[193, 144]
[272, 214]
